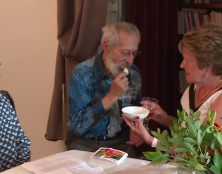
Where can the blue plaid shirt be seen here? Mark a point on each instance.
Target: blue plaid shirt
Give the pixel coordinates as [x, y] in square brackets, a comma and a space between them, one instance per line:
[88, 85]
[14, 144]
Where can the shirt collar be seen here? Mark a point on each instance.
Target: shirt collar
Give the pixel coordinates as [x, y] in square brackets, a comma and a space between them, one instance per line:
[100, 72]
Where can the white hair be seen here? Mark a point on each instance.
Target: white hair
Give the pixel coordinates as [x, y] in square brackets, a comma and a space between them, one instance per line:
[111, 32]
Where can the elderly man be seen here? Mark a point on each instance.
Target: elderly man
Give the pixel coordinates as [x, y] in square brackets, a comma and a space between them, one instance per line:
[99, 88]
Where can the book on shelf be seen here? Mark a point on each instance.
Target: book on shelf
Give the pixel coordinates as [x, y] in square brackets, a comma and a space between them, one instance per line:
[213, 1]
[108, 156]
[191, 18]
[199, 1]
[198, 10]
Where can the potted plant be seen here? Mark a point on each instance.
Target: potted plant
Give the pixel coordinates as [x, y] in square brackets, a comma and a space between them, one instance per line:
[195, 145]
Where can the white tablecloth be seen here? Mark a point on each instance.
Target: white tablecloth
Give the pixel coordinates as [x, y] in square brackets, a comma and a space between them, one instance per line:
[128, 163]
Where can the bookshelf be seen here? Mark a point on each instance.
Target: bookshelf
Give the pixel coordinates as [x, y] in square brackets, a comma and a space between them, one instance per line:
[194, 18]
[201, 5]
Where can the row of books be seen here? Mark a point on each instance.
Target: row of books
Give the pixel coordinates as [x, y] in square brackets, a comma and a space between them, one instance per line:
[199, 1]
[195, 1]
[190, 18]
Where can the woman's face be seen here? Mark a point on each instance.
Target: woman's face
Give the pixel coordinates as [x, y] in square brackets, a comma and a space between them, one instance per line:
[192, 71]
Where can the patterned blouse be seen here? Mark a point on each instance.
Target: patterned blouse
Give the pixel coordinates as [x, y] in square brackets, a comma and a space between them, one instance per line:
[14, 145]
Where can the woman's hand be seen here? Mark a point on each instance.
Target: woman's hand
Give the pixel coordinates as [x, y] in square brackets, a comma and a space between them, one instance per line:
[158, 112]
[158, 115]
[135, 140]
[138, 134]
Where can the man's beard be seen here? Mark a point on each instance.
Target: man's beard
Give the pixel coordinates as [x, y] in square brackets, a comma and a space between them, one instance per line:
[114, 68]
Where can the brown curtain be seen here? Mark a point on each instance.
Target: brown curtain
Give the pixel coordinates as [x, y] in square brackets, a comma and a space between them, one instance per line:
[159, 64]
[79, 34]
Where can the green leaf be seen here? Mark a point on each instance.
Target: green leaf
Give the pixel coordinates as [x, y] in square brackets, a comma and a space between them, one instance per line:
[188, 119]
[190, 140]
[209, 131]
[159, 161]
[214, 169]
[182, 149]
[164, 160]
[198, 124]
[162, 148]
[165, 133]
[208, 161]
[196, 115]
[190, 135]
[209, 137]
[181, 116]
[201, 156]
[183, 130]
[182, 113]
[155, 134]
[194, 160]
[209, 113]
[173, 132]
[207, 156]
[217, 160]
[180, 134]
[213, 116]
[192, 130]
[175, 125]
[176, 141]
[164, 141]
[208, 123]
[218, 137]
[172, 129]
[153, 156]
[191, 112]
[189, 146]
[199, 167]
[178, 113]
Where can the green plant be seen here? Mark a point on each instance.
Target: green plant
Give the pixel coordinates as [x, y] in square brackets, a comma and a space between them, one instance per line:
[197, 145]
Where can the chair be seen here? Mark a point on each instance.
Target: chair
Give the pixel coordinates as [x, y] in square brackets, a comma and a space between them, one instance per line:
[64, 106]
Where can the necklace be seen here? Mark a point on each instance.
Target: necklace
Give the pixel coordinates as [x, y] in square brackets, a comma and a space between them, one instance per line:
[198, 91]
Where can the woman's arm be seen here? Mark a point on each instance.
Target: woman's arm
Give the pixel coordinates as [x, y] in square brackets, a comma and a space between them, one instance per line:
[139, 134]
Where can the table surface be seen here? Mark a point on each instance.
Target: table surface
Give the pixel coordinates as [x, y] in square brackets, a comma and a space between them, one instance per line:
[127, 164]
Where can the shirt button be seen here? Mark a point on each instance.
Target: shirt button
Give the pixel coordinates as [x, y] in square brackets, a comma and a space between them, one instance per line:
[101, 115]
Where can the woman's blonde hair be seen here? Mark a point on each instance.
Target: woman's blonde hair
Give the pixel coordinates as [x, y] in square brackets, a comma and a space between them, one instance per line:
[206, 44]
[111, 32]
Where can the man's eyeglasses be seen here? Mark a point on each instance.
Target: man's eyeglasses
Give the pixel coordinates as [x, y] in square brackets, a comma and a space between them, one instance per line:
[128, 53]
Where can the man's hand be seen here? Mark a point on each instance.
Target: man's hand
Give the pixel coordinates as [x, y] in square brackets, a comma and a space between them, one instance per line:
[119, 86]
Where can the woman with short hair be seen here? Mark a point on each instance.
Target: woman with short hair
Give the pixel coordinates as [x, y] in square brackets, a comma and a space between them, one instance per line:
[202, 61]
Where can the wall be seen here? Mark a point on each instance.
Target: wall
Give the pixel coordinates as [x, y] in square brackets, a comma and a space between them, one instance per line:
[28, 47]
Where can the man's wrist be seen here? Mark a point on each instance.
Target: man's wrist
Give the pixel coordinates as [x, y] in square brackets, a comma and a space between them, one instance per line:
[108, 101]
[112, 98]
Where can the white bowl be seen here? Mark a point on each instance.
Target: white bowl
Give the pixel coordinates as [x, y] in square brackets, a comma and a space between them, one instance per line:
[132, 111]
